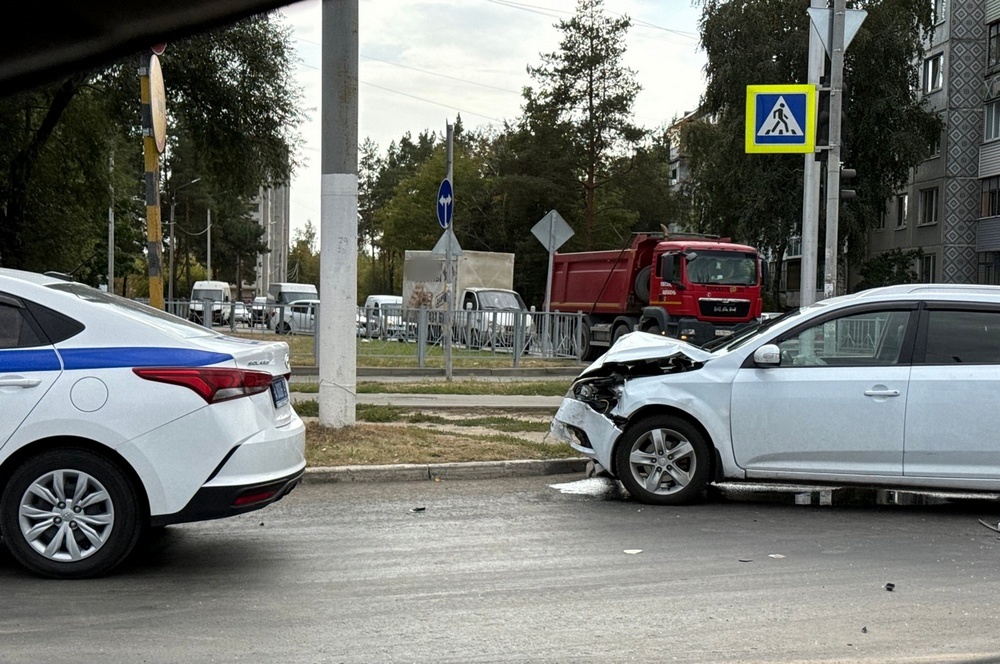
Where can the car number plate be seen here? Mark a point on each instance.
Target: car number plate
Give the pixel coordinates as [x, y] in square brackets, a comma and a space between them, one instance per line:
[723, 333]
[279, 391]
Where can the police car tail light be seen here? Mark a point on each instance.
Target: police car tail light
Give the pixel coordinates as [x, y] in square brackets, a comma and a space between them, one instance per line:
[212, 385]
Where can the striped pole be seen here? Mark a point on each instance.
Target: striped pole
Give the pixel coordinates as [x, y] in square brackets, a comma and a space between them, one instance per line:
[152, 146]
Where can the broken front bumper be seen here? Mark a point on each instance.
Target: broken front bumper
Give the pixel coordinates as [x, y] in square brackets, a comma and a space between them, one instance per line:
[586, 431]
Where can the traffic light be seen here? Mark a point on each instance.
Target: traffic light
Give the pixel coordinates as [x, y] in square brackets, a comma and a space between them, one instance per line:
[823, 118]
[846, 176]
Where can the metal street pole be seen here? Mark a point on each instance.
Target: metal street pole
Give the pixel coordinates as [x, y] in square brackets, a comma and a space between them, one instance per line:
[810, 183]
[833, 162]
[450, 274]
[111, 224]
[208, 258]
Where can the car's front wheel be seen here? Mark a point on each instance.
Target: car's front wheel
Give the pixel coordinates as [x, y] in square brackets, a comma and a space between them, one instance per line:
[664, 460]
[70, 513]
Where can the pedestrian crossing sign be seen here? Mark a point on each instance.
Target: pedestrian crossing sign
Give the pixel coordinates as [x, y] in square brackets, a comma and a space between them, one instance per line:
[781, 118]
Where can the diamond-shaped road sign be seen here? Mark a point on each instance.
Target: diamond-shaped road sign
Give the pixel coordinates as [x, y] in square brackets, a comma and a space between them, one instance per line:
[552, 231]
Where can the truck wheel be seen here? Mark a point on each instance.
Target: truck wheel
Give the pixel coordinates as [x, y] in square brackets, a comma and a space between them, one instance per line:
[588, 353]
[654, 329]
[619, 332]
[69, 513]
[663, 460]
[641, 284]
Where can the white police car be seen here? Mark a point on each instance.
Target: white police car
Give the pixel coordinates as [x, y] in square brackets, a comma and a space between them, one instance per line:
[115, 417]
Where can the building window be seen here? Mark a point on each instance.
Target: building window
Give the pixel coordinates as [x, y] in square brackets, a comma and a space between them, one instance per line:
[991, 197]
[991, 117]
[993, 46]
[928, 268]
[902, 209]
[880, 224]
[929, 206]
[935, 147]
[937, 10]
[934, 73]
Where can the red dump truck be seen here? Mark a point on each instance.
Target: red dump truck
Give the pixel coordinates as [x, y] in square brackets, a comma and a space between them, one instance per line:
[696, 288]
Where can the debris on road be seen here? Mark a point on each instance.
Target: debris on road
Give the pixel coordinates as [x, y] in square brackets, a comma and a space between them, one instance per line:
[864, 630]
[632, 552]
[746, 560]
[995, 528]
[890, 586]
[775, 555]
[418, 509]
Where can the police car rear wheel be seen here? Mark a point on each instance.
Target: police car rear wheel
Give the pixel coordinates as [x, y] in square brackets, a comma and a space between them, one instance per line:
[69, 513]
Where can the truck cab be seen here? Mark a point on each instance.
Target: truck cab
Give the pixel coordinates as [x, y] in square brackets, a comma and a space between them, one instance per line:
[218, 293]
[492, 317]
[700, 291]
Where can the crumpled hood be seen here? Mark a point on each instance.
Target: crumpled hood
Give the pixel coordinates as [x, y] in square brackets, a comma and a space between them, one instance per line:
[638, 347]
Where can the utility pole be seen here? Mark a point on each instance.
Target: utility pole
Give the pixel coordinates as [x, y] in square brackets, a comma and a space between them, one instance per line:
[811, 181]
[833, 162]
[339, 215]
[154, 126]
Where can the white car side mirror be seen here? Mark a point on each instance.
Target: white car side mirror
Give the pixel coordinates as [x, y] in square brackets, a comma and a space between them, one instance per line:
[768, 355]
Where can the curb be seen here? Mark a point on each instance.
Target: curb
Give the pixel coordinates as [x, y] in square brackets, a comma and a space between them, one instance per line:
[413, 472]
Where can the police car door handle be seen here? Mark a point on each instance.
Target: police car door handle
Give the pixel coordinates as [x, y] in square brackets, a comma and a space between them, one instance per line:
[15, 381]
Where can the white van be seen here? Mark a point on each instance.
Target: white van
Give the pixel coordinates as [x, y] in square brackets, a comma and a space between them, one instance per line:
[286, 293]
[219, 292]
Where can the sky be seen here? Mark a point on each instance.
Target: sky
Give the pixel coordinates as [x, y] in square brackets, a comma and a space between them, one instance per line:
[424, 62]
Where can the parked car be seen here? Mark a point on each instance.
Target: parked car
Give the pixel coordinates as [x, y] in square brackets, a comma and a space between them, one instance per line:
[383, 316]
[296, 318]
[259, 311]
[240, 313]
[891, 387]
[118, 417]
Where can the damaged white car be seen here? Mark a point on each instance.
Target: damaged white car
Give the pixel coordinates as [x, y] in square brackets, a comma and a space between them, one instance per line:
[888, 387]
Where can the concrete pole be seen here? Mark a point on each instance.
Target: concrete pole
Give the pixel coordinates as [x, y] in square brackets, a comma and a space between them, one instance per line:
[339, 215]
[833, 162]
[449, 314]
[811, 182]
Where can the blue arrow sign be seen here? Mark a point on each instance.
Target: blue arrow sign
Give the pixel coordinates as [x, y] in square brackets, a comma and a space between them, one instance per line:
[445, 203]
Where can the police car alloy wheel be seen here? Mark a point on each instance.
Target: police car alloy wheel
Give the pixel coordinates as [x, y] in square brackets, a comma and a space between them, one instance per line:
[69, 513]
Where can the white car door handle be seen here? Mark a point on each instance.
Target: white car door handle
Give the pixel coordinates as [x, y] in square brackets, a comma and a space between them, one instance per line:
[20, 382]
[881, 393]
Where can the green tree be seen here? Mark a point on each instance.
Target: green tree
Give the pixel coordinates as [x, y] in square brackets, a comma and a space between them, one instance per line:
[584, 98]
[303, 255]
[889, 268]
[756, 198]
[232, 110]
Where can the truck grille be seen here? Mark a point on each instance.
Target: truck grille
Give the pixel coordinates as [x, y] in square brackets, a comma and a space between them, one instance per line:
[718, 308]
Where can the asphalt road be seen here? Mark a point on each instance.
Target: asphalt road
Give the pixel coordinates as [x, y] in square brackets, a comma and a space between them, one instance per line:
[516, 571]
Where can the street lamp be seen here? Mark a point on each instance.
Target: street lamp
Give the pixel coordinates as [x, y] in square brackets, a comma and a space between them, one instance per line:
[173, 205]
